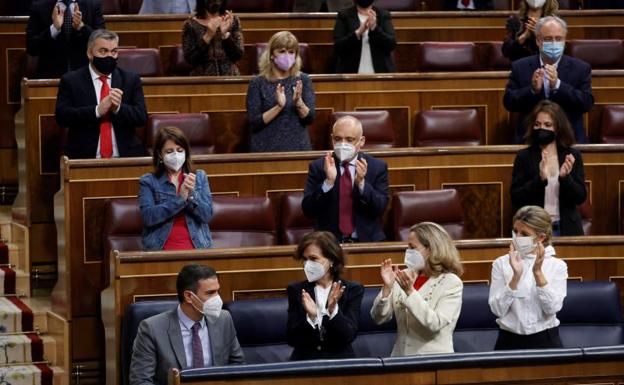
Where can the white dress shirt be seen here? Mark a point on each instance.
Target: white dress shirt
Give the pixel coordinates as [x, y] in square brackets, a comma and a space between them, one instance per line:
[529, 309]
[366, 58]
[320, 295]
[187, 338]
[97, 84]
[462, 6]
[547, 89]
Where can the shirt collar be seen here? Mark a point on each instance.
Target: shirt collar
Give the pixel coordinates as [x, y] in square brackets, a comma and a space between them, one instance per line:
[187, 322]
[556, 64]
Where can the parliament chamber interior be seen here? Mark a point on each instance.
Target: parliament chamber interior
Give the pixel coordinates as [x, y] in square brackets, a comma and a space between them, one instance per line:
[77, 281]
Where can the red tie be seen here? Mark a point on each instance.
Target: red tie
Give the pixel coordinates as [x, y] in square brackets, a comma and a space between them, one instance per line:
[345, 204]
[106, 141]
[465, 3]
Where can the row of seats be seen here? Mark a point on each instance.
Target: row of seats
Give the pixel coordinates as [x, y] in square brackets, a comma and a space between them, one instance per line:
[133, 6]
[429, 57]
[254, 221]
[261, 324]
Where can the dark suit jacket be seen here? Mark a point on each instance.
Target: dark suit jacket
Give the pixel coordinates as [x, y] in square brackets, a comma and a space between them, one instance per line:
[75, 109]
[479, 4]
[527, 188]
[348, 48]
[574, 94]
[368, 207]
[158, 346]
[65, 53]
[338, 333]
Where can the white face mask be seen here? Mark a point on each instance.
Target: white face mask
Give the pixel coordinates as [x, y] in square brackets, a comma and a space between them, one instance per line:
[313, 270]
[174, 160]
[344, 151]
[523, 245]
[212, 307]
[414, 259]
[536, 3]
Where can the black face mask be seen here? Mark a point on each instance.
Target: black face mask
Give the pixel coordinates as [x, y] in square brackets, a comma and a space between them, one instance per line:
[542, 136]
[364, 3]
[105, 65]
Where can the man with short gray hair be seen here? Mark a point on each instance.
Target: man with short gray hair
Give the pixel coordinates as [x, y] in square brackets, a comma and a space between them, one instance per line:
[101, 105]
[550, 75]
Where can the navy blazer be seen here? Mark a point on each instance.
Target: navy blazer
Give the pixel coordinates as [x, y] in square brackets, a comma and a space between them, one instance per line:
[574, 94]
[338, 332]
[348, 48]
[527, 188]
[368, 206]
[75, 109]
[65, 53]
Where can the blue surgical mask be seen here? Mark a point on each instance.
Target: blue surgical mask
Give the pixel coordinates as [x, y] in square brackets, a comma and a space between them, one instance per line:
[553, 49]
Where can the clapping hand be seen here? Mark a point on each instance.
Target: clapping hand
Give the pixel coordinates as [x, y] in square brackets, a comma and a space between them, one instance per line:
[280, 95]
[371, 22]
[361, 167]
[116, 96]
[76, 17]
[543, 165]
[334, 296]
[226, 22]
[567, 165]
[515, 261]
[330, 168]
[406, 278]
[188, 185]
[212, 24]
[57, 17]
[297, 92]
[308, 304]
[539, 258]
[550, 72]
[537, 81]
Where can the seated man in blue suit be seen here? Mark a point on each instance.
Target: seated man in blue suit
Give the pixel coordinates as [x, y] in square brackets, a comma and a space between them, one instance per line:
[348, 204]
[195, 334]
[550, 75]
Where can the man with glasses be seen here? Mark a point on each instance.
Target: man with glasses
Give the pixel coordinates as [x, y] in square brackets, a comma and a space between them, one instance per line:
[550, 75]
[101, 105]
[347, 190]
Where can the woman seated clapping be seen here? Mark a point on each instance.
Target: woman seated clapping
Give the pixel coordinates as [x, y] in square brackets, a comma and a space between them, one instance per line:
[425, 297]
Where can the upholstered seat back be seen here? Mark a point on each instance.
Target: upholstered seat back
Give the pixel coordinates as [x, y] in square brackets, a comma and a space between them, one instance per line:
[398, 5]
[303, 52]
[476, 329]
[376, 126]
[122, 226]
[448, 56]
[178, 66]
[111, 7]
[440, 206]
[496, 60]
[599, 53]
[238, 222]
[196, 127]
[261, 327]
[373, 340]
[612, 124]
[294, 224]
[143, 61]
[437, 128]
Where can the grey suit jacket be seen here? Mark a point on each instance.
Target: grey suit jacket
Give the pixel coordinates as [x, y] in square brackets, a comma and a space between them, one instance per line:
[158, 347]
[315, 5]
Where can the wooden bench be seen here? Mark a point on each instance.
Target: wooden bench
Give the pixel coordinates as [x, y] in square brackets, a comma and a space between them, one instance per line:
[265, 272]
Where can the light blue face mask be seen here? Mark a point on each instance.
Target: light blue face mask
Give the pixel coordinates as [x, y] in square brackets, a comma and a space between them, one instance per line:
[553, 49]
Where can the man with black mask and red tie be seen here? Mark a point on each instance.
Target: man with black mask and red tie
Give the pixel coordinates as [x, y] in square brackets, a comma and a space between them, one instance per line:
[101, 105]
[364, 39]
[347, 190]
[57, 33]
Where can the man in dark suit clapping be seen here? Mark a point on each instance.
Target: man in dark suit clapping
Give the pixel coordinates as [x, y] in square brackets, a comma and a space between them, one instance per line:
[101, 105]
[347, 190]
[57, 33]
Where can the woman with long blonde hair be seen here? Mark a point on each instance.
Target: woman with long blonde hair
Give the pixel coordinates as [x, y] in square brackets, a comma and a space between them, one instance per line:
[520, 40]
[280, 100]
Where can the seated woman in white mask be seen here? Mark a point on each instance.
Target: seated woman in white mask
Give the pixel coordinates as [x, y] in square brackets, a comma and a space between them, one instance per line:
[425, 297]
[324, 311]
[528, 285]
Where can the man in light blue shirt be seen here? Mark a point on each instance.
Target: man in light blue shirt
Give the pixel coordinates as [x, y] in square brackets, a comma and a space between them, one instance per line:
[167, 6]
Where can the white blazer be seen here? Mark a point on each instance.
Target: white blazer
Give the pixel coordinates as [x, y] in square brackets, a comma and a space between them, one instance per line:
[426, 318]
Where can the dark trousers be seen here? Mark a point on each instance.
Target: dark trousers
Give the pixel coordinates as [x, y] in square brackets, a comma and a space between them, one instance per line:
[545, 339]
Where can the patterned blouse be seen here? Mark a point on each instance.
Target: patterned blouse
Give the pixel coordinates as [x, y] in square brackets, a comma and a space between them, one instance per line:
[216, 58]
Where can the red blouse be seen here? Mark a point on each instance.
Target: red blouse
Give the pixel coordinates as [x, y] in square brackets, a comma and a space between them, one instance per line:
[179, 237]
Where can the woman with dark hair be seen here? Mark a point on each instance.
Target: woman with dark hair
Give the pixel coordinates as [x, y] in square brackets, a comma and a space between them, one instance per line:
[426, 297]
[212, 40]
[549, 173]
[323, 312]
[520, 40]
[528, 285]
[175, 203]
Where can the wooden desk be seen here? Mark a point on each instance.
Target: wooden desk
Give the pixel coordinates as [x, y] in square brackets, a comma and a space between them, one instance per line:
[163, 32]
[265, 272]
